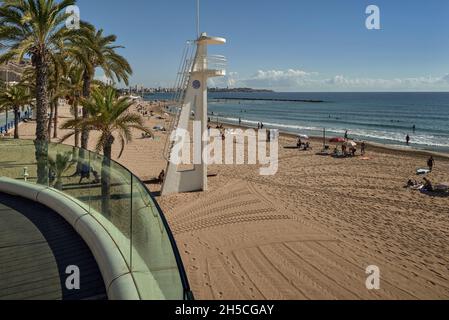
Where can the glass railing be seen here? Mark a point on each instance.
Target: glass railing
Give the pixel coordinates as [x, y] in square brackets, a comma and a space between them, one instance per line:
[117, 199]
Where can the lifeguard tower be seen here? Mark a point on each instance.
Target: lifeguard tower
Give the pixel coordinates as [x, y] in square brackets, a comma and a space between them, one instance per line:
[195, 70]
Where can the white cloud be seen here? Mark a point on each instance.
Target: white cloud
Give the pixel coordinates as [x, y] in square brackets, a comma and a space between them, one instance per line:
[300, 80]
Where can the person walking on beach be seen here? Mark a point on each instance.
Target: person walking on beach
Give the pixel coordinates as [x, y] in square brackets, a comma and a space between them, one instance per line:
[346, 135]
[407, 139]
[431, 163]
[363, 148]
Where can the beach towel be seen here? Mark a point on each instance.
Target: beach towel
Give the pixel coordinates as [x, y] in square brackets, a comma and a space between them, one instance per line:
[422, 171]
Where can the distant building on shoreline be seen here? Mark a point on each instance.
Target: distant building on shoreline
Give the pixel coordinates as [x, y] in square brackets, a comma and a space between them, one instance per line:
[11, 72]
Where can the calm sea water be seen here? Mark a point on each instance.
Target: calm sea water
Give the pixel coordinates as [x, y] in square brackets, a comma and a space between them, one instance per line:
[379, 117]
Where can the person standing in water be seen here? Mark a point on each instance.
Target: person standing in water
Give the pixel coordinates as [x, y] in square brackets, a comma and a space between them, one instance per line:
[407, 139]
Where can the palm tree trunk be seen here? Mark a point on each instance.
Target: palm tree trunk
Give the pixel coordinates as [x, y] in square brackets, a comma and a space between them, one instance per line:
[41, 142]
[106, 177]
[50, 119]
[16, 122]
[77, 132]
[87, 80]
[55, 129]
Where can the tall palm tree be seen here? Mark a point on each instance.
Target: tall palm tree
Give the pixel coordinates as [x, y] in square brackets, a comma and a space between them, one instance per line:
[58, 67]
[95, 50]
[15, 97]
[73, 88]
[109, 116]
[34, 28]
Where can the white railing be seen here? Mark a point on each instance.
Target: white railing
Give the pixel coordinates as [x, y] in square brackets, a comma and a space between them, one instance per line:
[211, 62]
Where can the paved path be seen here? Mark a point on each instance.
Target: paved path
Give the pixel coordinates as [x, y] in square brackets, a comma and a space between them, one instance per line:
[36, 247]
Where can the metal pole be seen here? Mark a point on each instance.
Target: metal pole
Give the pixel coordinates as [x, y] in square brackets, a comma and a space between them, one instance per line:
[198, 18]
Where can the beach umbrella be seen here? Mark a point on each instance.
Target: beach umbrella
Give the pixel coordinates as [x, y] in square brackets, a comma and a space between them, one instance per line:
[303, 136]
[351, 144]
[337, 140]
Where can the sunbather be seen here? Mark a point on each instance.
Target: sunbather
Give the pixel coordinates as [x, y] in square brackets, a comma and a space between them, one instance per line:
[428, 186]
[161, 177]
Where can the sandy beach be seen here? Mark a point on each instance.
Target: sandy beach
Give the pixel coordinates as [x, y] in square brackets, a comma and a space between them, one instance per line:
[311, 230]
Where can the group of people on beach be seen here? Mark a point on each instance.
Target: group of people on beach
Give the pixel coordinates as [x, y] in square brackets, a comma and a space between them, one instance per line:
[426, 185]
[303, 145]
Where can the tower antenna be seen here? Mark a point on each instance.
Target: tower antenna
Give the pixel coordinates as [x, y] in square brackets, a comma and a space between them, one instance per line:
[198, 18]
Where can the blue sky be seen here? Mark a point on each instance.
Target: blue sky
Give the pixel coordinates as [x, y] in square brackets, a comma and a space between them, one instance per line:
[288, 45]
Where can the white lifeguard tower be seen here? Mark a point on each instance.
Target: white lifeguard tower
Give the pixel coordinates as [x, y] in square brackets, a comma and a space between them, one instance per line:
[192, 101]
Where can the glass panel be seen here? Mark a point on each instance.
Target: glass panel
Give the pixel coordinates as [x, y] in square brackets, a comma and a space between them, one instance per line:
[111, 200]
[153, 258]
[17, 160]
[65, 165]
[114, 197]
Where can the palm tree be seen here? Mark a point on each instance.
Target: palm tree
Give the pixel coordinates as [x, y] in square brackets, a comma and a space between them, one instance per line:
[95, 50]
[109, 116]
[73, 86]
[14, 98]
[58, 67]
[34, 28]
[59, 165]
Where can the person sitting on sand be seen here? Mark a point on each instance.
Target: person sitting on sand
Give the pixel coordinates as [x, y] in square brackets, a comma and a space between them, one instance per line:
[431, 163]
[353, 151]
[428, 186]
[306, 146]
[344, 149]
[412, 183]
[335, 151]
[161, 177]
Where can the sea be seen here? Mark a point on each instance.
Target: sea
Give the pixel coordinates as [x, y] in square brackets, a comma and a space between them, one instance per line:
[385, 118]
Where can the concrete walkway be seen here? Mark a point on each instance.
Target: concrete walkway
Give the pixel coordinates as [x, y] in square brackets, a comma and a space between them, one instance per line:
[36, 247]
